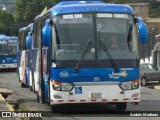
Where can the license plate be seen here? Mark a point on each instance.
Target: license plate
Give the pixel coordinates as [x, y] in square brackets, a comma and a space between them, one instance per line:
[96, 95]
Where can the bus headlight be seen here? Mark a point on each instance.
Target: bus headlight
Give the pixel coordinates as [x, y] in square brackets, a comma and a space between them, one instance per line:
[129, 85]
[62, 86]
[56, 87]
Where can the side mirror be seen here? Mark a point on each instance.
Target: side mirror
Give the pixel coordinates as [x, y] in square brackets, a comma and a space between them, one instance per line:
[29, 41]
[143, 30]
[46, 33]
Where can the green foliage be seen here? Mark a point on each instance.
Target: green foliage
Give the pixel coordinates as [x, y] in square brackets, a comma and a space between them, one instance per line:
[154, 11]
[6, 21]
[8, 4]
[27, 10]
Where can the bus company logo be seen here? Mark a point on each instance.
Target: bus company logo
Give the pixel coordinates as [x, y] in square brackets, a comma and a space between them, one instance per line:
[96, 79]
[63, 74]
[117, 75]
[14, 60]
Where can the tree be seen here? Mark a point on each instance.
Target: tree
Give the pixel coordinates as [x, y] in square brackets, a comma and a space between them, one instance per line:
[154, 11]
[6, 23]
[27, 10]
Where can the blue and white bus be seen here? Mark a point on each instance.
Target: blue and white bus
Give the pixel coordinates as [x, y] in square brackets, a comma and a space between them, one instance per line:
[8, 51]
[74, 61]
[24, 56]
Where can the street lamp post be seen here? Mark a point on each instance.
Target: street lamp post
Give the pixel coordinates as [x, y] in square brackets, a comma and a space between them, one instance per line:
[4, 7]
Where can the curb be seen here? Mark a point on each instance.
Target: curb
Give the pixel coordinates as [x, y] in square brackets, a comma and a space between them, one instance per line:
[3, 102]
[157, 87]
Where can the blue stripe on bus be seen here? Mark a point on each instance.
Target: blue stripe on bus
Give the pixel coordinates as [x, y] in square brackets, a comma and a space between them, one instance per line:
[8, 60]
[89, 75]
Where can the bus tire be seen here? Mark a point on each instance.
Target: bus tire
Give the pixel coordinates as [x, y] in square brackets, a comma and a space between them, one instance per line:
[23, 85]
[48, 102]
[54, 108]
[31, 88]
[19, 77]
[121, 106]
[38, 99]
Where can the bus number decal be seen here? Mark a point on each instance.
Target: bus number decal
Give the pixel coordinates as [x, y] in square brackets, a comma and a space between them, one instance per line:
[72, 16]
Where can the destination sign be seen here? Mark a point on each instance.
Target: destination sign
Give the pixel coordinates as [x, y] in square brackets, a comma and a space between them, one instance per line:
[109, 15]
[3, 42]
[12, 41]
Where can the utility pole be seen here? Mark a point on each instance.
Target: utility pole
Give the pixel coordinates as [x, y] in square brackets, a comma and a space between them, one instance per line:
[4, 7]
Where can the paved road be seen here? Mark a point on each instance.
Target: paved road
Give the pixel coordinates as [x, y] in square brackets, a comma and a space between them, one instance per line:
[27, 100]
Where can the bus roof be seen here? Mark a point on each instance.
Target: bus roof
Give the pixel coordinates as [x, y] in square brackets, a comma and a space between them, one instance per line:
[8, 38]
[21, 29]
[2, 35]
[90, 6]
[30, 27]
[65, 7]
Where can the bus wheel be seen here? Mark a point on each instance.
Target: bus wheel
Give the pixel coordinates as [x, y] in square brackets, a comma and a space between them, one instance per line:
[54, 108]
[31, 88]
[18, 77]
[38, 99]
[23, 85]
[121, 106]
[48, 103]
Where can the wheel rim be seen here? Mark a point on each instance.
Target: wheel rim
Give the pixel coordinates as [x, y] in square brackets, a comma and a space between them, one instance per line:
[143, 81]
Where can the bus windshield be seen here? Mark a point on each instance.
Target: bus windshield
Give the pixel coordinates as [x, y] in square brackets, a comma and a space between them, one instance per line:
[72, 35]
[116, 33]
[8, 47]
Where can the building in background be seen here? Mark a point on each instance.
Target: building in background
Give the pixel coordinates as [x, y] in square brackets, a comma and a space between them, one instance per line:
[141, 9]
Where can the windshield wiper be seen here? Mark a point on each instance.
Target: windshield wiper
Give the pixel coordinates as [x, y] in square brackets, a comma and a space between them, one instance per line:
[76, 69]
[107, 53]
